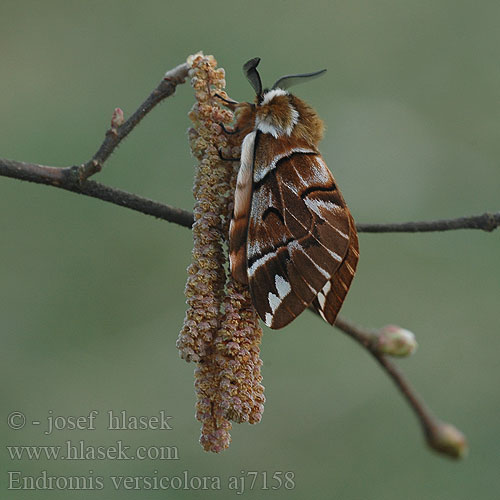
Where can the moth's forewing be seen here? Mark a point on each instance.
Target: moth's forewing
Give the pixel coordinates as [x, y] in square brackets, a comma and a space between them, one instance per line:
[299, 232]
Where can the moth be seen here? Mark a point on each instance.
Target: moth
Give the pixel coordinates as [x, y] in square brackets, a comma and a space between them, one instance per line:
[292, 238]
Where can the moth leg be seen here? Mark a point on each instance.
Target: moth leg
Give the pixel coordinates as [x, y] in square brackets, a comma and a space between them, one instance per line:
[228, 131]
[228, 102]
[222, 157]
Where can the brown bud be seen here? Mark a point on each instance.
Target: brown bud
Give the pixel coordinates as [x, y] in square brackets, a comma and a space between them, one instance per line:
[447, 439]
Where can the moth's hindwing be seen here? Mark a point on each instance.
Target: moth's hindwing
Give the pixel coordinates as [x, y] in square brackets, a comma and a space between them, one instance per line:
[329, 300]
[300, 234]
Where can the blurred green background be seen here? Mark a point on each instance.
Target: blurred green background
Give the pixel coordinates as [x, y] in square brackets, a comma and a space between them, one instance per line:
[92, 294]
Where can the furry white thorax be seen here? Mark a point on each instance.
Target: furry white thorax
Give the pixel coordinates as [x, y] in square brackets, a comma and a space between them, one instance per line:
[269, 96]
[266, 126]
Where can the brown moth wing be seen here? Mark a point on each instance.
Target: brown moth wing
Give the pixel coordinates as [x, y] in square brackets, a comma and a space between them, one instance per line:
[329, 301]
[299, 229]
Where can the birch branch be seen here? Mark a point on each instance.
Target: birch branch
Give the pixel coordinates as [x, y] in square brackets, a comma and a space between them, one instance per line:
[70, 179]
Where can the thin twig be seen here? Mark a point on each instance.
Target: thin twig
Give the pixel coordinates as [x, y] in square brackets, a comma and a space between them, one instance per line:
[69, 178]
[116, 134]
[486, 222]
[364, 337]
[432, 427]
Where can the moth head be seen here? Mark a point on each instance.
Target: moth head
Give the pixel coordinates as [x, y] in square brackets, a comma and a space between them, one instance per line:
[279, 113]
